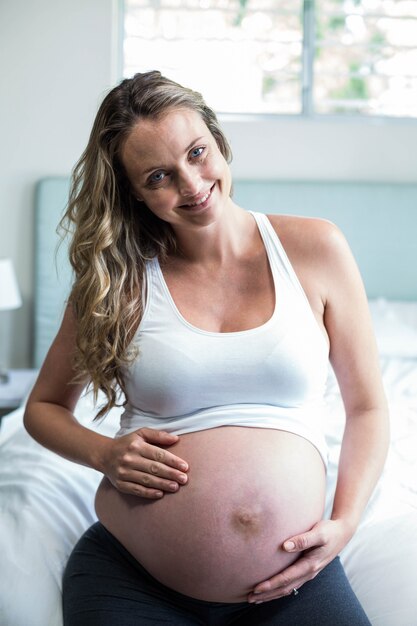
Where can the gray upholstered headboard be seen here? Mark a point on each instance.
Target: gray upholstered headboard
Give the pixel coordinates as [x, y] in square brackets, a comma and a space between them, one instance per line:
[379, 221]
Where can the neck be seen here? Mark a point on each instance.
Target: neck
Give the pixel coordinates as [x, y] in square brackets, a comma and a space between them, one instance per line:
[215, 243]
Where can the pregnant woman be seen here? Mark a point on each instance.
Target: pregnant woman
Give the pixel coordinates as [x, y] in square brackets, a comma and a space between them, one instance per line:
[214, 326]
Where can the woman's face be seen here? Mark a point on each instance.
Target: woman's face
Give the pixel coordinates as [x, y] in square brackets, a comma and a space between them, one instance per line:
[175, 166]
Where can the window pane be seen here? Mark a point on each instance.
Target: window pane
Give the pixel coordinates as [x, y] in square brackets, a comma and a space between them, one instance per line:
[366, 57]
[245, 56]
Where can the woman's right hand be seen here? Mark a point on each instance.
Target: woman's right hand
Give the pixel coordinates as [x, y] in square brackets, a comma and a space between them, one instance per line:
[138, 464]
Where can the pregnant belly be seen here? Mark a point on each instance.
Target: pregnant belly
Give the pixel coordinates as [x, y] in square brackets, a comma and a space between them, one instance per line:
[248, 490]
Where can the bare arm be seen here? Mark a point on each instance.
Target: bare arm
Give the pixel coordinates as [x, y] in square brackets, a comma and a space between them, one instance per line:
[333, 275]
[136, 463]
[49, 412]
[354, 358]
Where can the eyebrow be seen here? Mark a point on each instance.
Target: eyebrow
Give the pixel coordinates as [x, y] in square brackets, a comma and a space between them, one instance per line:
[159, 167]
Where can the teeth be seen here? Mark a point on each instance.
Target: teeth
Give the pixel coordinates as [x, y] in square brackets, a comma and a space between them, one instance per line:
[203, 199]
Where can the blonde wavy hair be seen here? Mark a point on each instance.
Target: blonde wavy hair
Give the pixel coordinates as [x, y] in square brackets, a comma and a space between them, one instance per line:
[113, 234]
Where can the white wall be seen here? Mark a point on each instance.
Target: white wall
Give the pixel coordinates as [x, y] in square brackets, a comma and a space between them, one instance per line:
[58, 57]
[55, 64]
[324, 149]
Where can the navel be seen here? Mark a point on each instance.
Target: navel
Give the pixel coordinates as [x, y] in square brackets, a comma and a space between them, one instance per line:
[246, 521]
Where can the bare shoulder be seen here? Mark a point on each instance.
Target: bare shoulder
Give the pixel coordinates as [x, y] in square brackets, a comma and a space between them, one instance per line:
[307, 235]
[317, 249]
[311, 240]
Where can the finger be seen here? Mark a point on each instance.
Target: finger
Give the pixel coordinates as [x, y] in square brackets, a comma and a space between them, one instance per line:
[134, 489]
[165, 471]
[163, 457]
[161, 437]
[259, 599]
[161, 477]
[139, 483]
[299, 543]
[271, 589]
[153, 474]
[286, 580]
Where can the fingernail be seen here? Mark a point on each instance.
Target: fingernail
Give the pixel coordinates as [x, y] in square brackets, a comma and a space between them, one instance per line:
[289, 545]
[182, 479]
[173, 486]
[183, 467]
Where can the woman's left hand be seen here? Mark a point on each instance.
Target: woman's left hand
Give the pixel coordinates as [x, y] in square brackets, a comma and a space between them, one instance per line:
[318, 547]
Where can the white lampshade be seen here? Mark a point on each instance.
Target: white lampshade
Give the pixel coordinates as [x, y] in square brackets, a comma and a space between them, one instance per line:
[9, 290]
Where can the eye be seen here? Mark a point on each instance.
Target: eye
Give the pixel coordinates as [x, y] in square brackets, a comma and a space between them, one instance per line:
[157, 177]
[196, 152]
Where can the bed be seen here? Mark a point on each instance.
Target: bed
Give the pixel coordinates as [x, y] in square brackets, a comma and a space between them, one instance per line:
[46, 502]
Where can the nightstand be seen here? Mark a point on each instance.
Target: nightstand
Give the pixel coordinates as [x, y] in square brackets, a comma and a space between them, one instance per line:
[15, 390]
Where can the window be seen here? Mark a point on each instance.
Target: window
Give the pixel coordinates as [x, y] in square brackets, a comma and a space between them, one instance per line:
[290, 57]
[366, 57]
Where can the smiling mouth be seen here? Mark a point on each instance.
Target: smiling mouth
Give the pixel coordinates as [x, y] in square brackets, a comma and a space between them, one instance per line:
[201, 201]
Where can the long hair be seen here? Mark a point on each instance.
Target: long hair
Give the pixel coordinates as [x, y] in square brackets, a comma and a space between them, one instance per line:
[112, 235]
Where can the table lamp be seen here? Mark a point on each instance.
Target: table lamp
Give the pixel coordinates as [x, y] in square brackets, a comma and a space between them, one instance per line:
[9, 299]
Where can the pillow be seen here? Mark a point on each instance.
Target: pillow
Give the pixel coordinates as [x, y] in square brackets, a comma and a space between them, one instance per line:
[395, 326]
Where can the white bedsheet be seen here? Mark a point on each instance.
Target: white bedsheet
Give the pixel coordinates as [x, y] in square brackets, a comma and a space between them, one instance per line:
[46, 502]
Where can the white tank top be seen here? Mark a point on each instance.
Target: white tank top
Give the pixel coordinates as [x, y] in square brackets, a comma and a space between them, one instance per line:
[273, 376]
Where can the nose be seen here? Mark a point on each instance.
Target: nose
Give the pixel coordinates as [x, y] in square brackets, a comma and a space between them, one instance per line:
[189, 181]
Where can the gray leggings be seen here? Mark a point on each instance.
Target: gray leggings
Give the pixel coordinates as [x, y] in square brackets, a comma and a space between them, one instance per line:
[105, 586]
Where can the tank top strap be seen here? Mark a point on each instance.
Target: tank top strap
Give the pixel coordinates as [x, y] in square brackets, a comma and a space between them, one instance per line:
[278, 258]
[155, 299]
